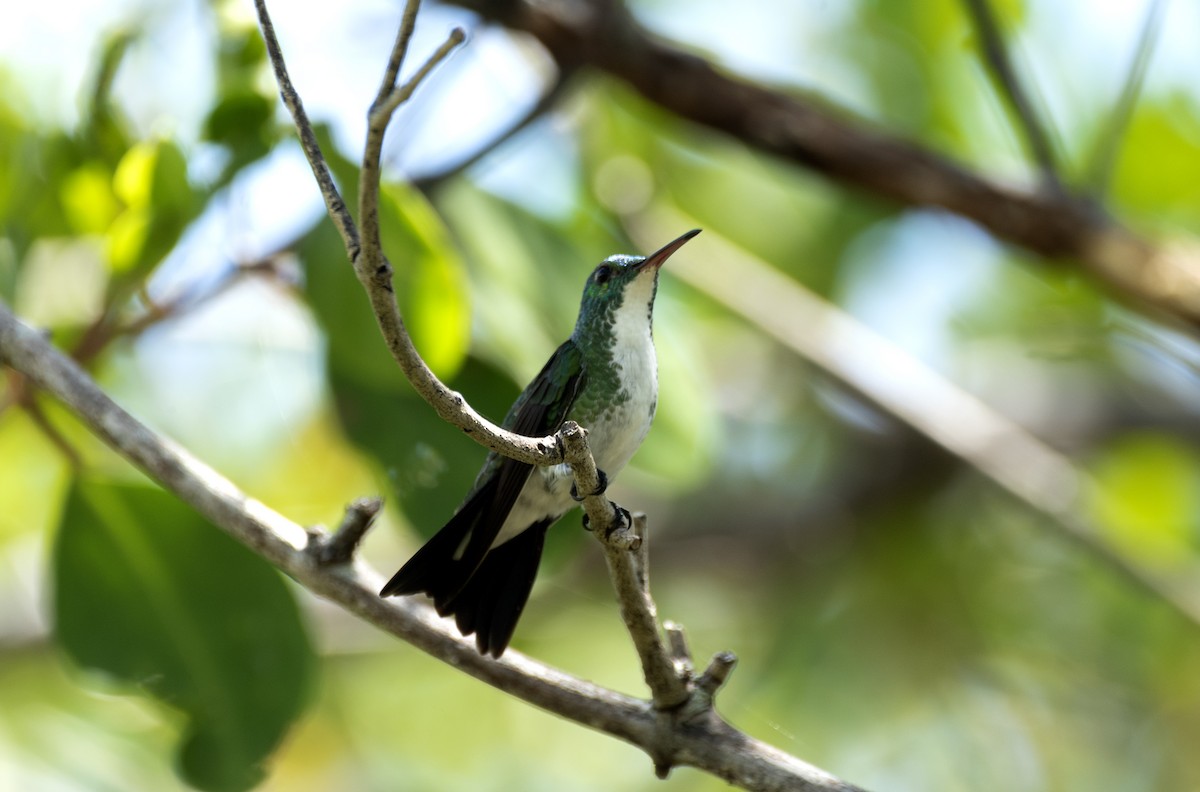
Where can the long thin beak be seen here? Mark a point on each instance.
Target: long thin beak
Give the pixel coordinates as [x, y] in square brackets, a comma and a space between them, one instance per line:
[660, 256]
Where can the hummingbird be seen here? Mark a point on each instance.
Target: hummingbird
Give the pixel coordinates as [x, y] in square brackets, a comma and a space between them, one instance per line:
[480, 566]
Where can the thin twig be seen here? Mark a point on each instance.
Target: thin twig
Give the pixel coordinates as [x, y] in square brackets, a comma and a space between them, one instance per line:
[1104, 162]
[334, 204]
[708, 743]
[546, 102]
[404, 33]
[380, 115]
[39, 418]
[372, 269]
[996, 54]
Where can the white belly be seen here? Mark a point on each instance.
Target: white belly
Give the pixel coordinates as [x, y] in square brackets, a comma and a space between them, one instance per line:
[613, 437]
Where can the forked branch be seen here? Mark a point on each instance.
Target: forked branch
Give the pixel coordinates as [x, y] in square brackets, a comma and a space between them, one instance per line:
[364, 251]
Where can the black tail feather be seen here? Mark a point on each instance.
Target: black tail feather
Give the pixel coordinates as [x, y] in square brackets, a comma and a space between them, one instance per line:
[491, 602]
[433, 569]
[447, 561]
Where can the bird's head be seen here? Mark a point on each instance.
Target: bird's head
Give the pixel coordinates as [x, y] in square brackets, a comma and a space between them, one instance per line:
[624, 284]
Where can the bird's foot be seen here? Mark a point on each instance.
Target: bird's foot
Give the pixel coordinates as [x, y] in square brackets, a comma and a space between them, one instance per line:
[575, 496]
[624, 520]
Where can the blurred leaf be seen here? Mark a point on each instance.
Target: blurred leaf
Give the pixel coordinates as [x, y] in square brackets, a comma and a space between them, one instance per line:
[529, 272]
[62, 283]
[239, 122]
[148, 591]
[430, 465]
[33, 477]
[88, 200]
[1052, 314]
[430, 280]
[1159, 162]
[33, 164]
[356, 350]
[105, 132]
[1148, 497]
[134, 174]
[152, 181]
[242, 118]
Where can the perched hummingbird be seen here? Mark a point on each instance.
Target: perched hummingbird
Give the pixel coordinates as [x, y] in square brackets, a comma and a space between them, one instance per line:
[480, 566]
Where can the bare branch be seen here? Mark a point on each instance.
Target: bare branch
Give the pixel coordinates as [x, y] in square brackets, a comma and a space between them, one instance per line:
[404, 33]
[707, 743]
[380, 115]
[370, 265]
[546, 102]
[995, 53]
[624, 540]
[1165, 280]
[308, 138]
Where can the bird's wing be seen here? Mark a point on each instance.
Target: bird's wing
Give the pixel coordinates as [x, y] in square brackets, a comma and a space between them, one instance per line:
[438, 568]
[540, 410]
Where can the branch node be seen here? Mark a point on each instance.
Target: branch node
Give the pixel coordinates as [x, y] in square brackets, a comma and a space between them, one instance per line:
[339, 548]
[717, 673]
[677, 647]
[623, 535]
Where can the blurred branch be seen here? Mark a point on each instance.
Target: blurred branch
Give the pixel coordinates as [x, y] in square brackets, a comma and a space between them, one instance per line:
[371, 265]
[706, 743]
[549, 98]
[995, 52]
[602, 35]
[24, 397]
[115, 48]
[1100, 174]
[107, 327]
[901, 386]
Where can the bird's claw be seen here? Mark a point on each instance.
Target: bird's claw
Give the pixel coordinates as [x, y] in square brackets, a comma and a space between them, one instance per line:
[624, 520]
[575, 496]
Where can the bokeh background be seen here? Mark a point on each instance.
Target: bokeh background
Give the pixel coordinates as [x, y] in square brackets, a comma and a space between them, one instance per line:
[900, 620]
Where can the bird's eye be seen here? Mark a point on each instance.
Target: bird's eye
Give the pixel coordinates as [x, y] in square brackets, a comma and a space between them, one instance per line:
[603, 274]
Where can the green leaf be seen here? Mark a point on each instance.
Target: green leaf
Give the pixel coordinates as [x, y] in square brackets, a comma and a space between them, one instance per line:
[149, 592]
[1147, 497]
[152, 181]
[430, 279]
[1159, 165]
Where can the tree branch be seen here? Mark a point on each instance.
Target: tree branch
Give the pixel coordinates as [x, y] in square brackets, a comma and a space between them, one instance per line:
[340, 547]
[549, 98]
[995, 53]
[601, 34]
[365, 254]
[334, 204]
[707, 743]
[626, 544]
